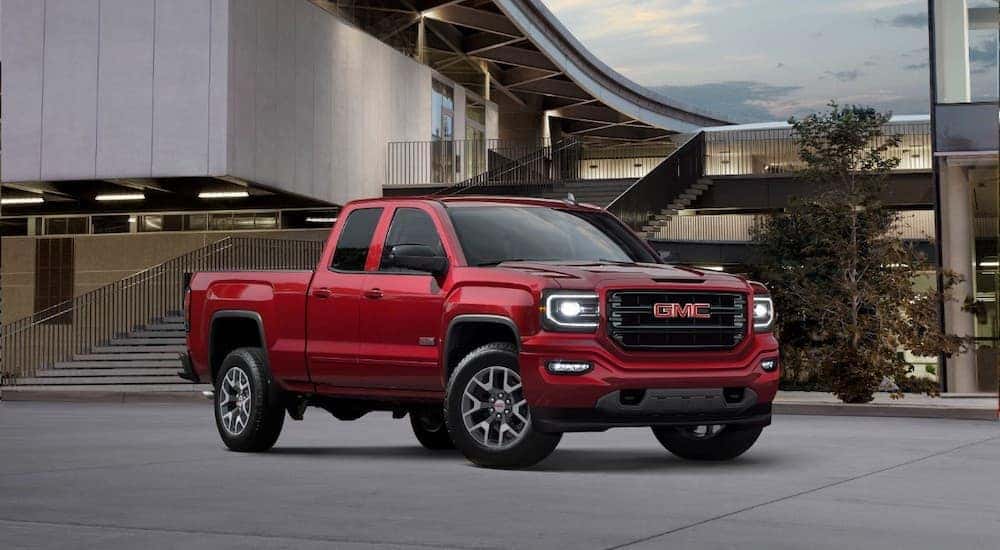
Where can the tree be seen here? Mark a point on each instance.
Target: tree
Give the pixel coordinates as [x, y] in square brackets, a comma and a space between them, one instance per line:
[841, 275]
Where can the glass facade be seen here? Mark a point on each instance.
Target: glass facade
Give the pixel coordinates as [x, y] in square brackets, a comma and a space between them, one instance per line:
[442, 132]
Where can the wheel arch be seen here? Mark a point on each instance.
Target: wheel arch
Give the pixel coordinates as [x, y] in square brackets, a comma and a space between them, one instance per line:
[469, 331]
[231, 329]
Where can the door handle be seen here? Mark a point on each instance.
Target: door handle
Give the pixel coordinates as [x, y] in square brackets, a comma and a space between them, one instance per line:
[374, 293]
[322, 293]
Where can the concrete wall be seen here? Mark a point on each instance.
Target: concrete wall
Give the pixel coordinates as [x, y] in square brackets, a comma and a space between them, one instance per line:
[103, 259]
[113, 88]
[313, 101]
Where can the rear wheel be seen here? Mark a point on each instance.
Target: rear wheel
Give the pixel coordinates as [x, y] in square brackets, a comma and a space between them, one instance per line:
[708, 442]
[248, 409]
[487, 414]
[430, 429]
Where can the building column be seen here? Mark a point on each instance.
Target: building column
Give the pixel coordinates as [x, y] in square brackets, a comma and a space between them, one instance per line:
[958, 254]
[951, 50]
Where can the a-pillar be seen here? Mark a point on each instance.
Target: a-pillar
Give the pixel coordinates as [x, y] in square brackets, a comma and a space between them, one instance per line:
[958, 254]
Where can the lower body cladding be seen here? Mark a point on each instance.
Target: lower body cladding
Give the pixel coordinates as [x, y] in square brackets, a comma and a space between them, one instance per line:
[610, 395]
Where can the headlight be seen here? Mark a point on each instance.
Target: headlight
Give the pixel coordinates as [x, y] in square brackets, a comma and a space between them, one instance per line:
[763, 313]
[570, 311]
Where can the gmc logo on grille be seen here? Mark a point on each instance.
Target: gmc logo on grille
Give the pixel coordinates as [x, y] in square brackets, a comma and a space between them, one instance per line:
[686, 311]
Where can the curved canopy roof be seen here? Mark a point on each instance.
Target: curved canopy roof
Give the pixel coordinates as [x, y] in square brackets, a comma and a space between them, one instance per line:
[530, 58]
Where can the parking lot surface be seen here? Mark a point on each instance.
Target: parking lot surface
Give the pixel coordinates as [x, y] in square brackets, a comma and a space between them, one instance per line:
[156, 476]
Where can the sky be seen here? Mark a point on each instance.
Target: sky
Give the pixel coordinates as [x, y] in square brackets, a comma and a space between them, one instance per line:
[758, 60]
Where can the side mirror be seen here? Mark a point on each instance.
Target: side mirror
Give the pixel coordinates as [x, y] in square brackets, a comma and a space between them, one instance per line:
[418, 257]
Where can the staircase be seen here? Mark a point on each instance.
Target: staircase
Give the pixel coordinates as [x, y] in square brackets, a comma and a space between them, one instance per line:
[596, 192]
[683, 200]
[144, 360]
[126, 338]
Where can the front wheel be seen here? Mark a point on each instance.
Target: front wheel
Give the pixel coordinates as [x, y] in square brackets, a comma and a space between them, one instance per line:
[487, 414]
[248, 411]
[708, 442]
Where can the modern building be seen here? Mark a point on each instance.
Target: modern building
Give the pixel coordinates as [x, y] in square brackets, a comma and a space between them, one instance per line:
[137, 132]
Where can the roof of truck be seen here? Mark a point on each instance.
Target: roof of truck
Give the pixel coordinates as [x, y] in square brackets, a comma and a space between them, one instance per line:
[484, 200]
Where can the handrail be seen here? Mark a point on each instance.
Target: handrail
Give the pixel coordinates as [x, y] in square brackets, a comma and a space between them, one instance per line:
[546, 164]
[75, 326]
[654, 191]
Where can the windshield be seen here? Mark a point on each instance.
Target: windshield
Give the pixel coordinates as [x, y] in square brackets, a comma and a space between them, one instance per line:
[493, 234]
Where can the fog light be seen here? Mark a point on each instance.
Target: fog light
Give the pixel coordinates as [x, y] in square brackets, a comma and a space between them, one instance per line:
[769, 364]
[568, 367]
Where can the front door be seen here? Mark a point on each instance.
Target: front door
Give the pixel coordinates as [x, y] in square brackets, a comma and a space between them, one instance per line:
[401, 311]
[334, 302]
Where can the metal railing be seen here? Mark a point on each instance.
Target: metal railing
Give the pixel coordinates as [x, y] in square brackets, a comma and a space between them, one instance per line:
[654, 191]
[75, 326]
[475, 163]
[776, 151]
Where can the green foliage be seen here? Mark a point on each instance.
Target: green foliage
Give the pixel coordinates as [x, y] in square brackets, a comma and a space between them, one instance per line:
[841, 276]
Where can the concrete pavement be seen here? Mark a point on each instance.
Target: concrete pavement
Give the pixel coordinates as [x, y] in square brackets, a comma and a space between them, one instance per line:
[155, 476]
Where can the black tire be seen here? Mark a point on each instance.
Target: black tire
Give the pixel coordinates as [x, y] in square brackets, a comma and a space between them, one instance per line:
[266, 412]
[430, 429]
[727, 444]
[532, 447]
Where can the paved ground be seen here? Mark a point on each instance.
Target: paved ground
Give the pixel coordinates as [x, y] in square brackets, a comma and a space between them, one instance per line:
[153, 476]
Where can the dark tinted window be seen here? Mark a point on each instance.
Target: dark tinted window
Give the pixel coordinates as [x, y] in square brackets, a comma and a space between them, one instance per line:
[355, 239]
[493, 234]
[411, 226]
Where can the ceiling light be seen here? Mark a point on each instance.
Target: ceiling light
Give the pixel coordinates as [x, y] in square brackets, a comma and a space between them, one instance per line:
[321, 220]
[223, 195]
[993, 263]
[120, 197]
[22, 200]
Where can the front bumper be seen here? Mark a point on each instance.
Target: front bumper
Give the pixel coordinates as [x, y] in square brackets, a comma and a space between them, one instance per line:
[663, 407]
[676, 389]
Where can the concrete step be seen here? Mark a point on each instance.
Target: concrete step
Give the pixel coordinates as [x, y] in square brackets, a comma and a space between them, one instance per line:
[158, 334]
[159, 327]
[702, 186]
[135, 393]
[103, 373]
[177, 319]
[146, 341]
[111, 364]
[105, 380]
[139, 349]
[152, 356]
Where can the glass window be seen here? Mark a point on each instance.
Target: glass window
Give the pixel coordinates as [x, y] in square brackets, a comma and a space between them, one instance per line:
[410, 226]
[493, 234]
[151, 223]
[110, 224]
[355, 240]
[66, 226]
[196, 222]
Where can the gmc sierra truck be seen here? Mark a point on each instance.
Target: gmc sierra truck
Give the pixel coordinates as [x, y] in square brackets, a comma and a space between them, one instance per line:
[496, 324]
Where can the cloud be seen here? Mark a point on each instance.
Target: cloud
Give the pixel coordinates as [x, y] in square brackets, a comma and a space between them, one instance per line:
[916, 66]
[905, 21]
[648, 22]
[739, 101]
[873, 5]
[844, 76]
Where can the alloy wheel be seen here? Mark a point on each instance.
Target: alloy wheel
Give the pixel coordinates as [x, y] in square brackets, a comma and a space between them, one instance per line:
[235, 401]
[494, 410]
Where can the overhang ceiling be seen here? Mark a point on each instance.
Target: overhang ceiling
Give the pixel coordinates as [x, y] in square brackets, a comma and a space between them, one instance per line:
[529, 57]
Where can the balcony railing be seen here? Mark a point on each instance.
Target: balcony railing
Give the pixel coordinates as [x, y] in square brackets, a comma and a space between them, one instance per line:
[468, 163]
[760, 152]
[73, 327]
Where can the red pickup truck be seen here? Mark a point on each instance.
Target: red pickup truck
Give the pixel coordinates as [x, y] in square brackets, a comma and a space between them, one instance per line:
[497, 324]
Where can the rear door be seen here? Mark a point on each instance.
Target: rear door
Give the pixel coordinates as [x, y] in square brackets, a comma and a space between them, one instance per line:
[401, 310]
[334, 301]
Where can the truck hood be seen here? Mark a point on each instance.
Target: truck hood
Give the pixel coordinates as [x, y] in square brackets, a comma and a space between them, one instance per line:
[592, 275]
